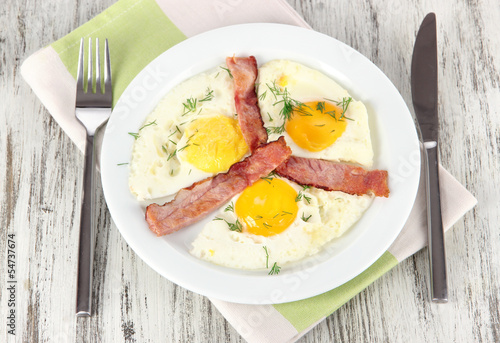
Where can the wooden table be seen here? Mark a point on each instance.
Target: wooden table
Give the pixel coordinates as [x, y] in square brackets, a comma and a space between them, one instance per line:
[41, 177]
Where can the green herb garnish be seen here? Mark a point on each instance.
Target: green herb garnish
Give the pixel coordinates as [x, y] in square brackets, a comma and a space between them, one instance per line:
[304, 218]
[228, 71]
[229, 208]
[184, 147]
[267, 256]
[209, 96]
[189, 106]
[148, 124]
[267, 179]
[176, 130]
[170, 155]
[263, 96]
[301, 196]
[320, 106]
[232, 226]
[275, 270]
[134, 134]
[282, 97]
[266, 225]
[344, 104]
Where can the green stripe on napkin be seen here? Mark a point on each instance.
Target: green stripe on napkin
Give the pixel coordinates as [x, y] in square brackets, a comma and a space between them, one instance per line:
[302, 314]
[137, 31]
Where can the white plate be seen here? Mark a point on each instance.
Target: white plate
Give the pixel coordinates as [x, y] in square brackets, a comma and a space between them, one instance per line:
[394, 139]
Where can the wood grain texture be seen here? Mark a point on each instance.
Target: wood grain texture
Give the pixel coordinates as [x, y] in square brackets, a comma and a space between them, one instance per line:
[40, 185]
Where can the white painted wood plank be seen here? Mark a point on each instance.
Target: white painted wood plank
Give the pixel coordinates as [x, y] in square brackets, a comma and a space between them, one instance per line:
[40, 185]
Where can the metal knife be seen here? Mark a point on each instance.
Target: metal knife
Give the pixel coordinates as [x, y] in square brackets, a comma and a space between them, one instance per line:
[424, 89]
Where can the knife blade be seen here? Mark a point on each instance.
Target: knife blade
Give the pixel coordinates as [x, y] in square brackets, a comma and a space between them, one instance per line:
[424, 89]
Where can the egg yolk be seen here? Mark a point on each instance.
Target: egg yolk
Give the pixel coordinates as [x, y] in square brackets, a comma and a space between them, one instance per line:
[267, 207]
[283, 81]
[214, 143]
[316, 125]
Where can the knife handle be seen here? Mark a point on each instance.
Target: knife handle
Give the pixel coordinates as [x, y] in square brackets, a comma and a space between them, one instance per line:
[437, 258]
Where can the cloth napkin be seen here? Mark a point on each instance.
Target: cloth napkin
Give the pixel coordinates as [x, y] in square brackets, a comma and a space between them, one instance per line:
[139, 31]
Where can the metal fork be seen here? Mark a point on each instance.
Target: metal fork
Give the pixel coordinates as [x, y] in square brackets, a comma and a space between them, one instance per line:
[92, 110]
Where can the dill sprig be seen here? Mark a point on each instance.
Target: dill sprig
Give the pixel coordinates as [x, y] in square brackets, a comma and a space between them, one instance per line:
[136, 135]
[263, 95]
[228, 71]
[236, 226]
[272, 174]
[232, 226]
[189, 105]
[267, 179]
[176, 130]
[320, 106]
[267, 256]
[229, 208]
[170, 155]
[275, 129]
[344, 104]
[275, 270]
[289, 106]
[190, 137]
[148, 124]
[304, 218]
[209, 96]
[301, 196]
[184, 147]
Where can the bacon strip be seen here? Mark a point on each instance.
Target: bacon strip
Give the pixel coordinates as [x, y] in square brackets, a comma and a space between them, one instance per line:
[195, 202]
[333, 176]
[244, 71]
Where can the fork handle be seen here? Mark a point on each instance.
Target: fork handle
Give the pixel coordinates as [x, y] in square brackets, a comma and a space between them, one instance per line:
[86, 247]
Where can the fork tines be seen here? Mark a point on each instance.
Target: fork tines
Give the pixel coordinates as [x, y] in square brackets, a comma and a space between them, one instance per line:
[83, 98]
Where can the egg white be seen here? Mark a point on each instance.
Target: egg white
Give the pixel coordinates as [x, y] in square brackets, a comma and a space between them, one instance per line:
[305, 84]
[328, 214]
[155, 171]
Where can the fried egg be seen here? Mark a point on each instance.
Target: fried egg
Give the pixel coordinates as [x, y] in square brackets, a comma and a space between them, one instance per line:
[276, 220]
[318, 118]
[192, 134]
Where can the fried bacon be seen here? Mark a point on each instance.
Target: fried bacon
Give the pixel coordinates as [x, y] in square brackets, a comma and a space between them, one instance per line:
[195, 202]
[333, 176]
[244, 71]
